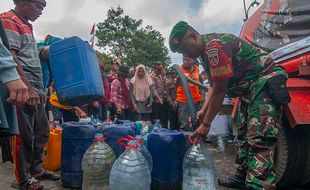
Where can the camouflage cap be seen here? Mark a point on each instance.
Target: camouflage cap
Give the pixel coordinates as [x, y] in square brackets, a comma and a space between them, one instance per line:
[176, 35]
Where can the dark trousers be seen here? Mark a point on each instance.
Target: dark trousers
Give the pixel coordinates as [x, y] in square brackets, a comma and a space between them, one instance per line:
[104, 112]
[125, 115]
[28, 146]
[6, 149]
[183, 115]
[173, 118]
[101, 113]
[160, 111]
[143, 116]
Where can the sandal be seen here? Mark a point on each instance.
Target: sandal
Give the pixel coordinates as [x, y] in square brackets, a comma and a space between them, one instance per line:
[48, 175]
[14, 185]
[31, 184]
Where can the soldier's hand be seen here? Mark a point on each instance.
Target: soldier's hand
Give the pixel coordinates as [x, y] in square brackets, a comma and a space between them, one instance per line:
[200, 134]
[200, 114]
[18, 92]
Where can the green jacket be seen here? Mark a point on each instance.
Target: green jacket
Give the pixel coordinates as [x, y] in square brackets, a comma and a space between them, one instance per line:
[8, 121]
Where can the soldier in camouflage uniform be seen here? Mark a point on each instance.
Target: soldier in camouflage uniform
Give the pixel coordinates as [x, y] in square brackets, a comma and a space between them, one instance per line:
[240, 70]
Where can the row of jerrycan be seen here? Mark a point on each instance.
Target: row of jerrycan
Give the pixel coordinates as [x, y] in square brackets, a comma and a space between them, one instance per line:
[77, 138]
[101, 171]
[135, 166]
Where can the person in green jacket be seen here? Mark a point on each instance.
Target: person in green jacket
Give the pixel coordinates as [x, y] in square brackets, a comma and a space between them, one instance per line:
[239, 69]
[13, 91]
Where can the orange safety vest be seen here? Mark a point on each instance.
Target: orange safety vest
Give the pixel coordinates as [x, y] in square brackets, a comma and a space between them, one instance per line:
[193, 88]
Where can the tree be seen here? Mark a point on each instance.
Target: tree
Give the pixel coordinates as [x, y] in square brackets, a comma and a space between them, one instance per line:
[120, 33]
[104, 57]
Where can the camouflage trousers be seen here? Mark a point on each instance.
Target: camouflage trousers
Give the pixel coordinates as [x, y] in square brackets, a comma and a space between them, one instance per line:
[260, 122]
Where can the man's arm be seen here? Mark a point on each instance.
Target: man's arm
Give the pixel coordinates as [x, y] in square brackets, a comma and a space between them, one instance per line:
[167, 89]
[215, 101]
[20, 69]
[213, 106]
[7, 65]
[33, 97]
[8, 75]
[80, 112]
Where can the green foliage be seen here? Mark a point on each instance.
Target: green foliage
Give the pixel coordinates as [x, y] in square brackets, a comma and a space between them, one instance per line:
[120, 33]
[103, 57]
[106, 59]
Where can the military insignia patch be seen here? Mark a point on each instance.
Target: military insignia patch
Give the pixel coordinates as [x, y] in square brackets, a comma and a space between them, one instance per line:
[213, 56]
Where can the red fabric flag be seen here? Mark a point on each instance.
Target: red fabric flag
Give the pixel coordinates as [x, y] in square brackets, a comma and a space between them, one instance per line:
[92, 33]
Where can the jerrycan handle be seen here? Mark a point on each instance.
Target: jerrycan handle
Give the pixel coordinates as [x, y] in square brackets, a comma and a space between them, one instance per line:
[121, 142]
[190, 138]
[99, 139]
[129, 137]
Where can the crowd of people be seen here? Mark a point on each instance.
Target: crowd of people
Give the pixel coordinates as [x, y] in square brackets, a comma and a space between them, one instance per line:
[139, 93]
[136, 93]
[143, 94]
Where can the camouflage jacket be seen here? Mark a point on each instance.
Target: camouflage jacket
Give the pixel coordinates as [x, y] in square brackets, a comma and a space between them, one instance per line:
[247, 67]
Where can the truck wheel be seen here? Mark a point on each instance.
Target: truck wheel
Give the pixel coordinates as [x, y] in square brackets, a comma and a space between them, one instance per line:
[307, 185]
[305, 177]
[290, 156]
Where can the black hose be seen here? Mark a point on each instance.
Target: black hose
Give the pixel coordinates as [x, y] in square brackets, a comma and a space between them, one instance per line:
[190, 102]
[196, 83]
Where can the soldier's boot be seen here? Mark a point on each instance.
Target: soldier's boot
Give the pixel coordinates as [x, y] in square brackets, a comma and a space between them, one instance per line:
[237, 181]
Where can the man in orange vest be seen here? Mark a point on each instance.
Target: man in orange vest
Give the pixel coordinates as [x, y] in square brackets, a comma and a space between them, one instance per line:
[191, 71]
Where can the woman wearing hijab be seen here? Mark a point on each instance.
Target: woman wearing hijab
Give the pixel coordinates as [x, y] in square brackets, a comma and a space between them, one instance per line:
[142, 92]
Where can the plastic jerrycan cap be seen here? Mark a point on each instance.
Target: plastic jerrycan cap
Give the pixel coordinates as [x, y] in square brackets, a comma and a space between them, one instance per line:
[99, 137]
[130, 143]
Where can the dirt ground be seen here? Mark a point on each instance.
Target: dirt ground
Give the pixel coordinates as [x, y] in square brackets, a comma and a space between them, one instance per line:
[223, 153]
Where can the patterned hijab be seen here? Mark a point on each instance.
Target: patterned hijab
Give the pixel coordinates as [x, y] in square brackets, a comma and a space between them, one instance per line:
[141, 87]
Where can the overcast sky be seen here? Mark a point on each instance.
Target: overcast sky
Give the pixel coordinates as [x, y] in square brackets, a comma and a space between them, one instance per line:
[65, 18]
